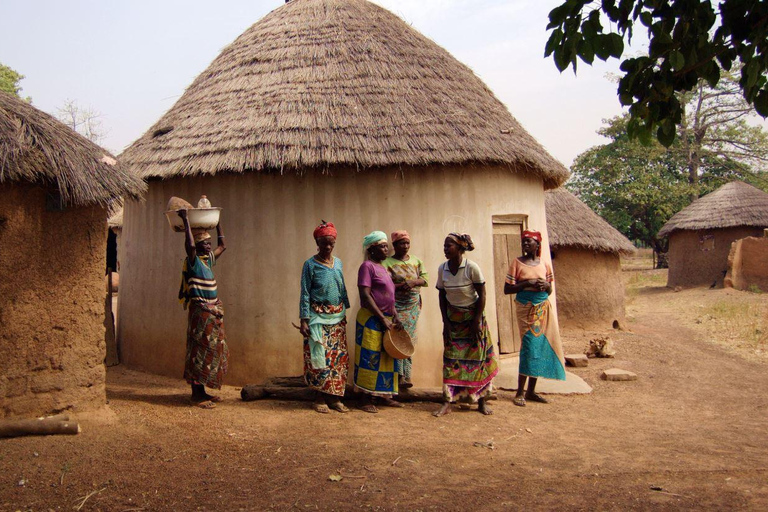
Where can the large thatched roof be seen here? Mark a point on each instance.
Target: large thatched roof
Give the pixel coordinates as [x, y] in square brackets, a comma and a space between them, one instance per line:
[734, 204]
[37, 148]
[572, 223]
[317, 83]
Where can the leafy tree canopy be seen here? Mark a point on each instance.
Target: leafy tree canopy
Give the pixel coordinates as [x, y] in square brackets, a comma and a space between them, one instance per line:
[689, 40]
[9, 80]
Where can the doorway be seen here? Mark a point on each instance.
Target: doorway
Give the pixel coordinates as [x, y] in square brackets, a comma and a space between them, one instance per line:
[507, 230]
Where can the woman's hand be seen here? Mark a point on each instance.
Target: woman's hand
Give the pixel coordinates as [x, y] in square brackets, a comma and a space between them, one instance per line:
[413, 283]
[388, 324]
[541, 285]
[304, 329]
[182, 214]
[446, 333]
[477, 327]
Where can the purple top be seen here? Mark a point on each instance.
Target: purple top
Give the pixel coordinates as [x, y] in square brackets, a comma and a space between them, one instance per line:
[377, 278]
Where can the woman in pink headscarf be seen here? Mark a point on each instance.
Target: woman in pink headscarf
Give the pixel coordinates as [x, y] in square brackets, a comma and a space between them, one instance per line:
[409, 276]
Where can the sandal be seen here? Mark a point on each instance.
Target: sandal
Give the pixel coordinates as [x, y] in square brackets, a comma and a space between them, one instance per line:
[215, 399]
[519, 401]
[390, 402]
[321, 408]
[369, 408]
[338, 406]
[535, 397]
[205, 404]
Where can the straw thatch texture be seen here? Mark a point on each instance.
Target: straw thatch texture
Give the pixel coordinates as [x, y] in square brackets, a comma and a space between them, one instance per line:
[734, 204]
[320, 83]
[116, 219]
[37, 148]
[572, 223]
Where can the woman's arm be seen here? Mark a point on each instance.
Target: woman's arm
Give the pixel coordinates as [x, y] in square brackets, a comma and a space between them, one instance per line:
[477, 324]
[519, 286]
[368, 303]
[306, 283]
[221, 246]
[189, 240]
[444, 312]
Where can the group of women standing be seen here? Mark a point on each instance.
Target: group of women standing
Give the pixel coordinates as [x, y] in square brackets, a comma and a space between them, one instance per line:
[390, 298]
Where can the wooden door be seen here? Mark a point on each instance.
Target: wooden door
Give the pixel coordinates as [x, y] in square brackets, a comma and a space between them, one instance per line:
[506, 247]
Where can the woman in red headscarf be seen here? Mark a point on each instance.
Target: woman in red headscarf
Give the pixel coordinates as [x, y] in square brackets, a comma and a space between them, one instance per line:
[322, 309]
[541, 354]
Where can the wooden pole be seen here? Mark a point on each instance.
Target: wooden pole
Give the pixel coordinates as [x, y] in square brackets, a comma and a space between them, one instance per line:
[52, 425]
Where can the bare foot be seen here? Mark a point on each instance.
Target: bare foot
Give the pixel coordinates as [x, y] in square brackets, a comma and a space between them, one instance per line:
[482, 407]
[391, 402]
[445, 409]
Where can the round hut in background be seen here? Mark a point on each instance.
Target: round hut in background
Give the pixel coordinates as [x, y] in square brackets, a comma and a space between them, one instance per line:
[323, 109]
[586, 260]
[701, 234]
[55, 188]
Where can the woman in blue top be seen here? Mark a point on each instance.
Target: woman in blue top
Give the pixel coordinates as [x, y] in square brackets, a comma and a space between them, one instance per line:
[207, 351]
[322, 309]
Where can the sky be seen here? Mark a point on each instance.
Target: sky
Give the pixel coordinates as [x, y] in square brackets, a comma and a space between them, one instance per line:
[131, 61]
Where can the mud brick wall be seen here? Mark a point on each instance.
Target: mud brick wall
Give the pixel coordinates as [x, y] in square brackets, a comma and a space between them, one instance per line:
[52, 309]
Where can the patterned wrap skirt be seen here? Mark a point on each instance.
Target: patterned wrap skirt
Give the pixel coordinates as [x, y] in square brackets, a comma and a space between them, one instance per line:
[469, 362]
[408, 313]
[207, 351]
[375, 370]
[332, 379]
[541, 354]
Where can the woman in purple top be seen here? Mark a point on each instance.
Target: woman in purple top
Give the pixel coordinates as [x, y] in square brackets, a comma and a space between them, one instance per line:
[375, 370]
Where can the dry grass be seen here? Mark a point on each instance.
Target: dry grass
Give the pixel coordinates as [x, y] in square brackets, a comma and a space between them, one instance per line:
[740, 323]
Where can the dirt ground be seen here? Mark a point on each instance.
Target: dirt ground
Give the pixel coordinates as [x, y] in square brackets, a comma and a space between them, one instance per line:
[688, 434]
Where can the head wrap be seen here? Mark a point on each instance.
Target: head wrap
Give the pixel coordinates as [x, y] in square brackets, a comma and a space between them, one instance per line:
[534, 235]
[372, 238]
[325, 229]
[463, 239]
[400, 235]
[200, 236]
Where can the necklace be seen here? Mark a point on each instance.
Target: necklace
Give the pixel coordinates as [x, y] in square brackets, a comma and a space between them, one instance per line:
[324, 262]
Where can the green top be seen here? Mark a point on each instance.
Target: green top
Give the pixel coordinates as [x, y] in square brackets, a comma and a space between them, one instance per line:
[401, 271]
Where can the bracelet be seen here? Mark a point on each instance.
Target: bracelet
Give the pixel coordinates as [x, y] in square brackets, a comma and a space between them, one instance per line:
[221, 236]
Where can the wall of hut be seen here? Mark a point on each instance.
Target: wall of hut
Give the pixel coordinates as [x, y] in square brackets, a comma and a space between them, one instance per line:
[590, 289]
[268, 221]
[698, 258]
[52, 312]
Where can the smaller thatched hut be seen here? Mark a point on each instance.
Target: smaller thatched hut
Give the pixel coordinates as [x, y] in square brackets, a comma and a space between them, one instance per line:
[586, 261]
[56, 187]
[701, 234]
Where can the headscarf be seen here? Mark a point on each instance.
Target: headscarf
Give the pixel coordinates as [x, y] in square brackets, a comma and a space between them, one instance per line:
[463, 239]
[200, 236]
[534, 235]
[400, 235]
[325, 229]
[372, 238]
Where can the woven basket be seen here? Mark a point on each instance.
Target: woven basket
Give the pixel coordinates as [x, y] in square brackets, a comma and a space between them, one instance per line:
[398, 343]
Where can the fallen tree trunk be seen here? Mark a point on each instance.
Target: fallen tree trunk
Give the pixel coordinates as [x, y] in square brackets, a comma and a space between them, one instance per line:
[53, 425]
[294, 388]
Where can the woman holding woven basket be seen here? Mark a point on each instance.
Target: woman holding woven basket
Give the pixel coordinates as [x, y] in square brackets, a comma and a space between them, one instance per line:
[541, 354]
[375, 370]
[469, 361]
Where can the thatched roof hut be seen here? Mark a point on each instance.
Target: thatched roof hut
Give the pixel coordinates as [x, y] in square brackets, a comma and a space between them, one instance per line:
[700, 235]
[332, 109]
[37, 148]
[55, 187]
[586, 254]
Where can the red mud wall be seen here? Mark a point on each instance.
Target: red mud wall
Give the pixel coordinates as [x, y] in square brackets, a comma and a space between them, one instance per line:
[52, 309]
[748, 264]
[590, 291]
[699, 258]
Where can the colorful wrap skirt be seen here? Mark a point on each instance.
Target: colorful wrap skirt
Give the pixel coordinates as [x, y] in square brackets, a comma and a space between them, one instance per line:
[375, 370]
[541, 354]
[408, 313]
[332, 379]
[469, 362]
[207, 351]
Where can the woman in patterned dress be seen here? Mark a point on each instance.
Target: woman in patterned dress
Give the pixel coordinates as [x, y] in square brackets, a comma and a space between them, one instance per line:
[541, 354]
[469, 361]
[409, 276]
[207, 352]
[322, 309]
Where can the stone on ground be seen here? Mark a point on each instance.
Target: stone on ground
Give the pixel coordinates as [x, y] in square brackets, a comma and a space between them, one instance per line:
[576, 360]
[618, 374]
[507, 379]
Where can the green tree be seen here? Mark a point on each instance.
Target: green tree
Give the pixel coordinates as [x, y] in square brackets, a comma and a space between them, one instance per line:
[9, 80]
[689, 40]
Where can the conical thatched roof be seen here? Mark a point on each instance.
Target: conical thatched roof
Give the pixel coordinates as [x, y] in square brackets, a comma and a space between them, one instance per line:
[572, 223]
[733, 204]
[37, 148]
[317, 83]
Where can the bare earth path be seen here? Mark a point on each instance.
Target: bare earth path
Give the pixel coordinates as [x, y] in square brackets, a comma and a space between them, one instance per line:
[689, 434]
